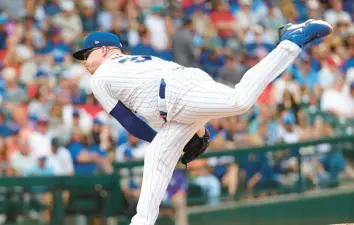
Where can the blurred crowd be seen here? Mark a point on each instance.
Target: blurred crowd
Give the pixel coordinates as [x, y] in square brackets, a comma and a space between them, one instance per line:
[50, 123]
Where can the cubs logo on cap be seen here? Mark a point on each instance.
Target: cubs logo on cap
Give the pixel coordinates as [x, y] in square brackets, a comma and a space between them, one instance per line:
[97, 39]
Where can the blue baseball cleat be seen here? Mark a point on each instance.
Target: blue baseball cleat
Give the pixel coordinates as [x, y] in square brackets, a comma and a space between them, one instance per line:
[303, 33]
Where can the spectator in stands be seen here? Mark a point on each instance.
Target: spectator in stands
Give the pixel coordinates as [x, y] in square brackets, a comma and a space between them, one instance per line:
[211, 39]
[119, 28]
[55, 48]
[273, 20]
[23, 160]
[289, 103]
[231, 73]
[176, 14]
[337, 102]
[305, 75]
[285, 82]
[41, 104]
[41, 167]
[257, 173]
[328, 73]
[335, 12]
[156, 26]
[305, 128]
[223, 19]
[110, 11]
[132, 150]
[144, 47]
[98, 132]
[288, 132]
[263, 114]
[56, 125]
[207, 181]
[200, 21]
[15, 95]
[74, 115]
[88, 17]
[329, 155]
[314, 9]
[60, 159]
[68, 21]
[40, 139]
[211, 62]
[245, 17]
[183, 47]
[87, 157]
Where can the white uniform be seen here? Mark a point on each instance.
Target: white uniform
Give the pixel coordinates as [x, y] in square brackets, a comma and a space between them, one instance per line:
[191, 99]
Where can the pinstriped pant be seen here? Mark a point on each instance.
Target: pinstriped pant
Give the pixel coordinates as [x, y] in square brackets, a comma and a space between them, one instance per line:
[192, 99]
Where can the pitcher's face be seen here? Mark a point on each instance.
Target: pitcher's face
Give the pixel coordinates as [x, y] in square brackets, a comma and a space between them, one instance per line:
[94, 58]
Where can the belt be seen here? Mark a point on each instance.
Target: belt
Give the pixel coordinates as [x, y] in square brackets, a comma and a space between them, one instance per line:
[162, 101]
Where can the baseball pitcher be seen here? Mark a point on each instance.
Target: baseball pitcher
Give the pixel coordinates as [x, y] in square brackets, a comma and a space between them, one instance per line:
[178, 101]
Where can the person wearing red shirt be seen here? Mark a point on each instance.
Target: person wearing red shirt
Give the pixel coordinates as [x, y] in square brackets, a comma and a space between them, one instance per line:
[223, 19]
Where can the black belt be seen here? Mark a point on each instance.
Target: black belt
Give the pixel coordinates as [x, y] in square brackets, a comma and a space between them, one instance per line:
[162, 93]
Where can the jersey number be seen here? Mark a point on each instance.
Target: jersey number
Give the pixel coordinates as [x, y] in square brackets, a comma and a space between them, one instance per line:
[136, 59]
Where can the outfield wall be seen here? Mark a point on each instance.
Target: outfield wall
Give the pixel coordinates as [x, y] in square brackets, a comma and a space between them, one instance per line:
[327, 207]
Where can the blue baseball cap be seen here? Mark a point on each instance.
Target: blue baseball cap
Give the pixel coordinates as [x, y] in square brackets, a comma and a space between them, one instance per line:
[97, 39]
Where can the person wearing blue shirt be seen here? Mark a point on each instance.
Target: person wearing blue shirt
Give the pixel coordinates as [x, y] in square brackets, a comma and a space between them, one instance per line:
[7, 128]
[144, 47]
[211, 62]
[87, 156]
[306, 75]
[55, 46]
[40, 169]
[259, 174]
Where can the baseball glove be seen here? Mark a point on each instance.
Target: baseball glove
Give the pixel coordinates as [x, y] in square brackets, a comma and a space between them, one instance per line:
[195, 147]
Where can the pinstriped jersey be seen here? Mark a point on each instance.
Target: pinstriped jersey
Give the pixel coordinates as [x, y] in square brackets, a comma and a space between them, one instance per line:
[133, 80]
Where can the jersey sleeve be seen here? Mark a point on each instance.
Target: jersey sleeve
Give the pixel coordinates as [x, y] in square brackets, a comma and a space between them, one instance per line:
[131, 122]
[103, 94]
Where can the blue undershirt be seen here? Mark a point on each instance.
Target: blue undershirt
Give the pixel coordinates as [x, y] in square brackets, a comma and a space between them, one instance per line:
[132, 123]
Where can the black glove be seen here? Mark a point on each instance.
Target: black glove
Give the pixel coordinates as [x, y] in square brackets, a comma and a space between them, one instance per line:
[195, 147]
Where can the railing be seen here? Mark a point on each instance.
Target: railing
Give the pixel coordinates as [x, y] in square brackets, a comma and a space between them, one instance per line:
[347, 143]
[108, 186]
[105, 185]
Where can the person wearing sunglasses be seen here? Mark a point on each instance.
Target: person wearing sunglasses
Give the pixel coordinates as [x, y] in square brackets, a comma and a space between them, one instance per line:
[145, 93]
